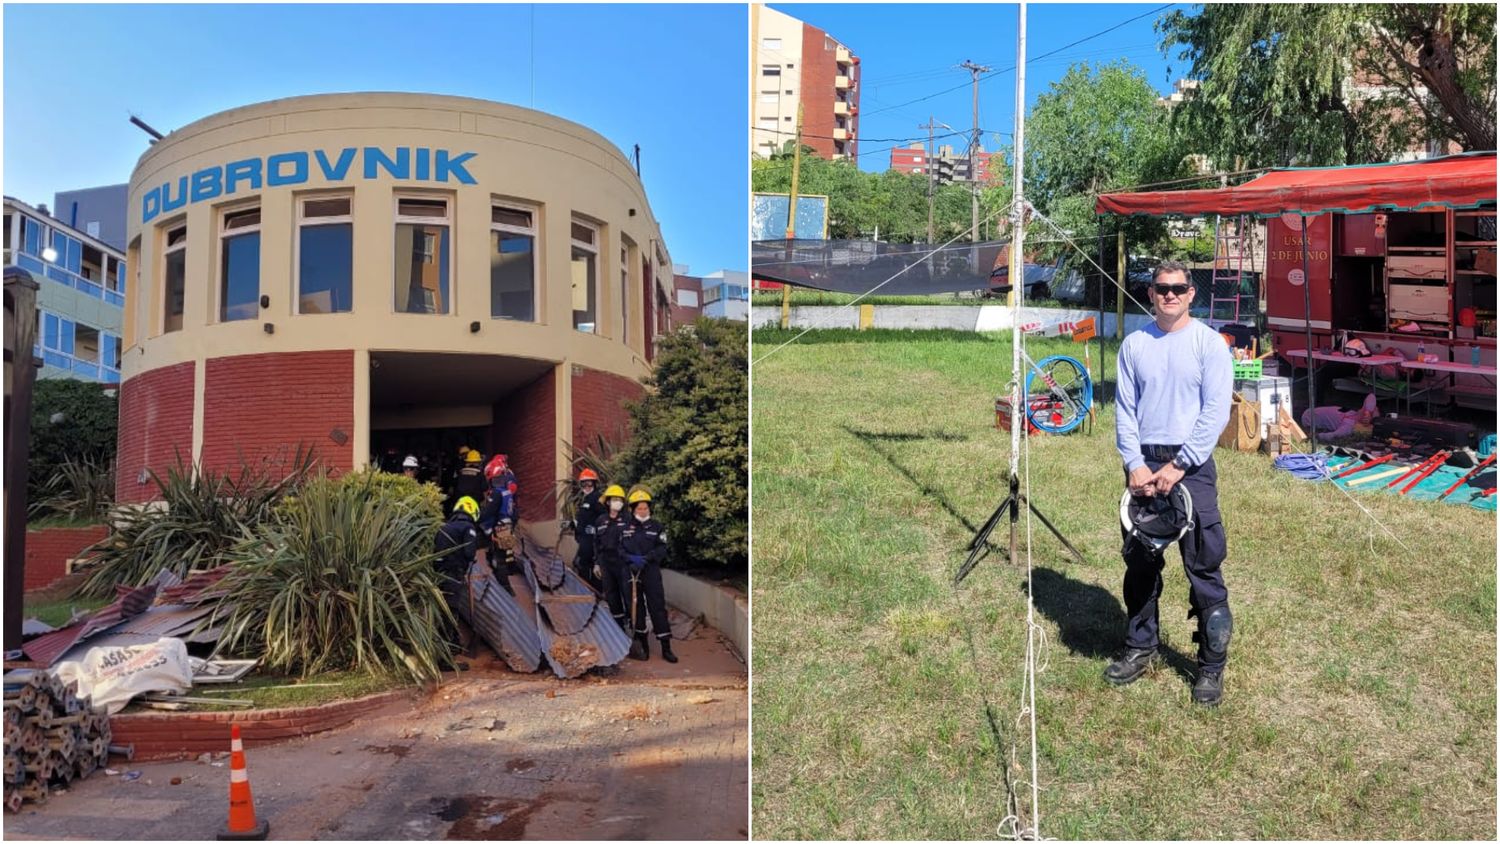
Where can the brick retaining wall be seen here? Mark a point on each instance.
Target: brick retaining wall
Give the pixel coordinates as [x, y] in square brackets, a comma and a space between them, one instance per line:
[48, 551]
[179, 735]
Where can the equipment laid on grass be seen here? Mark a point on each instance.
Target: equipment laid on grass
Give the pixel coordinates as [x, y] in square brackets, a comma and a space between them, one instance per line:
[1363, 466]
[1465, 479]
[1379, 476]
[1412, 470]
[1433, 465]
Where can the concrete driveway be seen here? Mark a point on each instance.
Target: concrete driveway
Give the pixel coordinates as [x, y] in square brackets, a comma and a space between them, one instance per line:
[656, 751]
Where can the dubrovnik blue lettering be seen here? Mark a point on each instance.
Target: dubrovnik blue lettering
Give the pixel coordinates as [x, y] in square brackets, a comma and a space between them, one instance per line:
[399, 169]
[454, 166]
[207, 184]
[336, 172]
[298, 160]
[295, 168]
[242, 171]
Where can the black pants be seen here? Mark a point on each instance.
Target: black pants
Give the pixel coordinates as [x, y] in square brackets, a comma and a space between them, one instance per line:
[651, 600]
[1203, 551]
[583, 564]
[616, 590]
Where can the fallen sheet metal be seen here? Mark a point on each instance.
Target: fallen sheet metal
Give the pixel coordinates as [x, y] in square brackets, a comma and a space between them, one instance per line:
[47, 649]
[501, 621]
[577, 630]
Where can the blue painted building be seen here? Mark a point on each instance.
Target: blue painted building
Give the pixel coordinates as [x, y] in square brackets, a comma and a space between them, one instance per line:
[726, 295]
[80, 306]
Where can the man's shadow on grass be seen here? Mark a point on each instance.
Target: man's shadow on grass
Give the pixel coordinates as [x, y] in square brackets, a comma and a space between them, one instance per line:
[1090, 619]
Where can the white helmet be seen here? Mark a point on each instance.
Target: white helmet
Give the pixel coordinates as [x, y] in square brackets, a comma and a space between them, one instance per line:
[410, 462]
[1157, 520]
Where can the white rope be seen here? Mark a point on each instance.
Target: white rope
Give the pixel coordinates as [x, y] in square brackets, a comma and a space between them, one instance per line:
[1064, 235]
[851, 304]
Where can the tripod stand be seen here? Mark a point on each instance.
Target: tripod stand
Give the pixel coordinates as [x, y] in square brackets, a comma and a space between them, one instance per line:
[979, 547]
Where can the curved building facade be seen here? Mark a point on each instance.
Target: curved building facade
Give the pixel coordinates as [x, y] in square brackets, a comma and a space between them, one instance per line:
[361, 273]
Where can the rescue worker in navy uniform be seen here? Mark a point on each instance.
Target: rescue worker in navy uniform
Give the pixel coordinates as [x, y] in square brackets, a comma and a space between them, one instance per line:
[586, 512]
[458, 539]
[609, 566]
[643, 547]
[470, 480]
[1172, 399]
[502, 554]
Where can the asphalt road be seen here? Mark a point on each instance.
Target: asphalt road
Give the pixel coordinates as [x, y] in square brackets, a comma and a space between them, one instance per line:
[656, 751]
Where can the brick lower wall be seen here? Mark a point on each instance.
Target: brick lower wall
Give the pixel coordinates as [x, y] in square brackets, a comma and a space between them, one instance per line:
[179, 735]
[525, 429]
[156, 424]
[599, 406]
[48, 551]
[258, 407]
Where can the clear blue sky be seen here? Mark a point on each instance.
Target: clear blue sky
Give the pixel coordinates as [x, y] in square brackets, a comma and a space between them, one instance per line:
[908, 52]
[668, 77]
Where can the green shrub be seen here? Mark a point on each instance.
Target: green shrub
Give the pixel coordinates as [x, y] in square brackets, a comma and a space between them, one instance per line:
[341, 579]
[690, 444]
[201, 515]
[87, 427]
[79, 491]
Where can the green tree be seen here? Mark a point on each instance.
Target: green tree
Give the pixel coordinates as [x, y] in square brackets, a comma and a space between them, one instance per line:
[85, 428]
[1328, 84]
[1096, 130]
[690, 444]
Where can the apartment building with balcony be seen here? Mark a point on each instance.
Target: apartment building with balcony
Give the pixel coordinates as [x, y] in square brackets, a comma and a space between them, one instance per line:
[726, 295]
[795, 63]
[81, 300]
[948, 164]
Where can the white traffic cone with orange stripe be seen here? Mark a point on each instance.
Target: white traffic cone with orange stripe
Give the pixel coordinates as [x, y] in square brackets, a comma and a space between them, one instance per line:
[242, 825]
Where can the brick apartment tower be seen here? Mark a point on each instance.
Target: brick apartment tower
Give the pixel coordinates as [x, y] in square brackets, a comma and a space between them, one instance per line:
[792, 63]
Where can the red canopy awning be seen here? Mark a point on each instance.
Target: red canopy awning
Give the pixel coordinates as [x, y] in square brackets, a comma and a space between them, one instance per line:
[1455, 181]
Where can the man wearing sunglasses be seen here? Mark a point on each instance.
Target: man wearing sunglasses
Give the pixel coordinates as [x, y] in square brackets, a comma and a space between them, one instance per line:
[1172, 401]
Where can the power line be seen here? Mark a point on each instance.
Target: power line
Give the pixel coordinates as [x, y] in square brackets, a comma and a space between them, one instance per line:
[1038, 58]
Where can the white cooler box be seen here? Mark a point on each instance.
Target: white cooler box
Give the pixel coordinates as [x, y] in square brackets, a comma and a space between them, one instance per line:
[1271, 391]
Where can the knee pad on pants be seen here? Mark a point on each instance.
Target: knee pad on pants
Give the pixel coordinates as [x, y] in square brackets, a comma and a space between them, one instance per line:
[1215, 629]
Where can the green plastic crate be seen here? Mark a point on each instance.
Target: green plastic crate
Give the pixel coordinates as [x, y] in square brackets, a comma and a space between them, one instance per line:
[1247, 369]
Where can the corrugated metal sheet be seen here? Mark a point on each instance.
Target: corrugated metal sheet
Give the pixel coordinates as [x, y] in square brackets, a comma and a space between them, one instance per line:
[500, 620]
[176, 620]
[47, 649]
[577, 630]
[196, 589]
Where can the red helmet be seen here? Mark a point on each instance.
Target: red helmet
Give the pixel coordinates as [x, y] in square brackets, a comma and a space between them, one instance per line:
[496, 465]
[588, 475]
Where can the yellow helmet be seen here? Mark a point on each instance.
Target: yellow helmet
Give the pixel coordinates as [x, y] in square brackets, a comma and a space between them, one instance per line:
[613, 491]
[468, 505]
[473, 456]
[640, 495]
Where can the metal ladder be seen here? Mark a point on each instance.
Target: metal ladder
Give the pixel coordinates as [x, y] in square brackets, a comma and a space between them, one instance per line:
[1228, 270]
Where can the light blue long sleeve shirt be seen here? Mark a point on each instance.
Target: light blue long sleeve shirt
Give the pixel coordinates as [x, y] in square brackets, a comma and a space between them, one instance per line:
[1173, 389]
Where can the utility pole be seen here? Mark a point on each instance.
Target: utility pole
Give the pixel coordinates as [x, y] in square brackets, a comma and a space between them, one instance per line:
[931, 174]
[791, 221]
[975, 70]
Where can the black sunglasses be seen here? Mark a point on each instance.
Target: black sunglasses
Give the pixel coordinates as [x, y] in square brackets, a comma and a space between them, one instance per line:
[1174, 289]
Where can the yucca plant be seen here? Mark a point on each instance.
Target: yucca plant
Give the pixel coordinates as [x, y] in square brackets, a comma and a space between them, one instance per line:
[599, 456]
[201, 515]
[341, 579]
[80, 489]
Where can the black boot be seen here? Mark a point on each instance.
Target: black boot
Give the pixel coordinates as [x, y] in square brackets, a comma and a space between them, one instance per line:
[1129, 668]
[1209, 687]
[666, 649]
[638, 649]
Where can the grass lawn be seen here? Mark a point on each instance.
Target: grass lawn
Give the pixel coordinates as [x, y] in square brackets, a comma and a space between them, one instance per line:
[1360, 692]
[820, 297]
[57, 613]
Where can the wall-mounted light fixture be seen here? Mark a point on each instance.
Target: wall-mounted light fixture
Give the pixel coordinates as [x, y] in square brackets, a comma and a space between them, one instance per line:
[265, 301]
[270, 327]
[474, 328]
